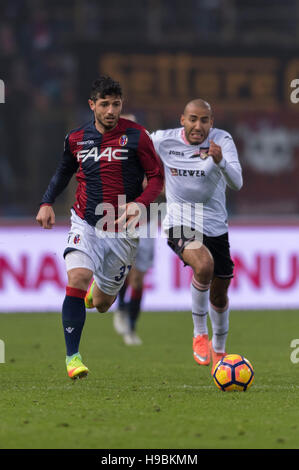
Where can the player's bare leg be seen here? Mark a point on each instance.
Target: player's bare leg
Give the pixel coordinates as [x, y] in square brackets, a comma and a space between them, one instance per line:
[101, 301]
[201, 261]
[79, 278]
[219, 315]
[218, 292]
[136, 278]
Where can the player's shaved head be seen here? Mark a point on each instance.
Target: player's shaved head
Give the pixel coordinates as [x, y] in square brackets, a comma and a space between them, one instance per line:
[197, 103]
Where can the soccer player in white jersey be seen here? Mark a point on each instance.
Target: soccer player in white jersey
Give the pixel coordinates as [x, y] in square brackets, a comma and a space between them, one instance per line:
[200, 161]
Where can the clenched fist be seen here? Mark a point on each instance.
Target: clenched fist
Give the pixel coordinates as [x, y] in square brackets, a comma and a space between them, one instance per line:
[215, 152]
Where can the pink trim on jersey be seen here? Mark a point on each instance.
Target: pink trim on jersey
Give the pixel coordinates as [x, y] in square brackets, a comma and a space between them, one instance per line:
[183, 135]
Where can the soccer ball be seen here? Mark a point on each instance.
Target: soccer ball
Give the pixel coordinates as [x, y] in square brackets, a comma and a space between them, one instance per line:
[233, 372]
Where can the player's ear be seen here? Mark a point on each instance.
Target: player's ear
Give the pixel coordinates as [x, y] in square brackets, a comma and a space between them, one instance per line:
[91, 104]
[182, 120]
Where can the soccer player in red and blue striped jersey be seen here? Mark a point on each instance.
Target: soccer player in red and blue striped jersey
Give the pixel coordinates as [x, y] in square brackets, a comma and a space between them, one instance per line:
[110, 156]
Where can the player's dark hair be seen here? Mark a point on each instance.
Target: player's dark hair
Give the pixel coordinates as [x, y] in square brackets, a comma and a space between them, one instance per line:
[104, 86]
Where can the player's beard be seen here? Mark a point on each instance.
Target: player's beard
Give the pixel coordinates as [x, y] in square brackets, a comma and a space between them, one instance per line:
[106, 125]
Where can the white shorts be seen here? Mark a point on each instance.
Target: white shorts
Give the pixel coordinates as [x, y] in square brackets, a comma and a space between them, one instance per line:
[145, 254]
[110, 259]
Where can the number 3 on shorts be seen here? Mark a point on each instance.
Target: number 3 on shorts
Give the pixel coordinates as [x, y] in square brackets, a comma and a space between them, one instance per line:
[122, 272]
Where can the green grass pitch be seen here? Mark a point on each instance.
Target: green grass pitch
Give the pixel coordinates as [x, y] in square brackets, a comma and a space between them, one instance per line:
[152, 396]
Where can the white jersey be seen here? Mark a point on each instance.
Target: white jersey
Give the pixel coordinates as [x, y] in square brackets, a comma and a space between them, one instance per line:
[195, 185]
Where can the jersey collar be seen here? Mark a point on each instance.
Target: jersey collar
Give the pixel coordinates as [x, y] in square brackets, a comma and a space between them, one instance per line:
[183, 136]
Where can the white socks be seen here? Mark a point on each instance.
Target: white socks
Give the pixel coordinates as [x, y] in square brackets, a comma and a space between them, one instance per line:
[220, 321]
[200, 307]
[219, 316]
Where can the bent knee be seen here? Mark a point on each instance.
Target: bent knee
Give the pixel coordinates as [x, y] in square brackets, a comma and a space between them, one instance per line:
[204, 269]
[102, 307]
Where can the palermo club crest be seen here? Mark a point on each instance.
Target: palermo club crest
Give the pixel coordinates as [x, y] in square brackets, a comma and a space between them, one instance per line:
[123, 140]
[202, 153]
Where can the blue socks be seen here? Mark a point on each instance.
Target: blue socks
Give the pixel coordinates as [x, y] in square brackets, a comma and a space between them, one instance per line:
[73, 318]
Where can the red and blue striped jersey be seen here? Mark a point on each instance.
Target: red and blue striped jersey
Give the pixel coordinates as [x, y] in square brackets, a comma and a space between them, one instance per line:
[107, 166]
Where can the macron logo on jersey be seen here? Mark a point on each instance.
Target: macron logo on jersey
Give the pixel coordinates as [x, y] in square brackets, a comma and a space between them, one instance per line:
[116, 154]
[85, 142]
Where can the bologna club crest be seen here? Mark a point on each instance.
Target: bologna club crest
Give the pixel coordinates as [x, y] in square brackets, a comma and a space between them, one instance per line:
[123, 140]
[76, 239]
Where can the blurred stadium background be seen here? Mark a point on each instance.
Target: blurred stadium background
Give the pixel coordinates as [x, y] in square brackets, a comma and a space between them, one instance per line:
[241, 56]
